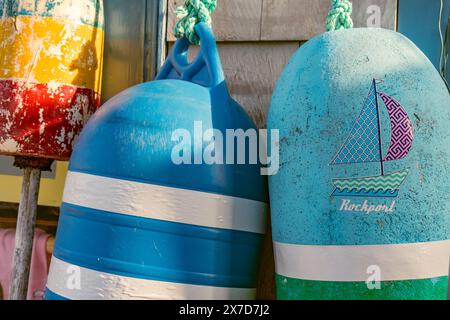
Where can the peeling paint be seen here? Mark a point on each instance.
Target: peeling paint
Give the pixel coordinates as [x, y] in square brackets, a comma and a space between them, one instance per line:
[45, 51]
[9, 145]
[88, 12]
[50, 75]
[43, 120]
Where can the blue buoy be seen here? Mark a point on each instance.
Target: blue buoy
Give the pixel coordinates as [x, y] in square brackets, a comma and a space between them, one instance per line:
[360, 204]
[145, 215]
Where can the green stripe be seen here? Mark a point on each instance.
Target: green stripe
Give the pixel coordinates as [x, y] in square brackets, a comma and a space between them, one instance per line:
[297, 289]
[88, 12]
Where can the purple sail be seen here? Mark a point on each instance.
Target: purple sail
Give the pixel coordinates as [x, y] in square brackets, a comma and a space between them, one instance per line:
[401, 129]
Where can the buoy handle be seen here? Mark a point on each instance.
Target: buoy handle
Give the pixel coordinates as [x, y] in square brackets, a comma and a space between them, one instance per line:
[205, 70]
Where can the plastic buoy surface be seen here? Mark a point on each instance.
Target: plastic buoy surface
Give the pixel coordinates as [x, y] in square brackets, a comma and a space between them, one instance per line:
[137, 225]
[360, 204]
[50, 77]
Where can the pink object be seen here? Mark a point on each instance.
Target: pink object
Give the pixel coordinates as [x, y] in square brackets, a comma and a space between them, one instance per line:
[39, 263]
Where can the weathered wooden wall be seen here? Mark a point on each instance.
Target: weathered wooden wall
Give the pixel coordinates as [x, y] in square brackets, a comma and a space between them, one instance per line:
[256, 40]
[283, 20]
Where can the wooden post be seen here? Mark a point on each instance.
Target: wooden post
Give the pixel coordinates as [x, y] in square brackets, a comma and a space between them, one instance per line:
[26, 221]
[161, 38]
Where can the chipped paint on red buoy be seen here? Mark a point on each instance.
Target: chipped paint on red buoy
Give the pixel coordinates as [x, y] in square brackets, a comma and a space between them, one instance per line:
[41, 121]
[50, 74]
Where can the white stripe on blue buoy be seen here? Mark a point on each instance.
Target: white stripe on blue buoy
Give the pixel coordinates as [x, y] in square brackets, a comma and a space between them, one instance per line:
[410, 261]
[96, 285]
[165, 203]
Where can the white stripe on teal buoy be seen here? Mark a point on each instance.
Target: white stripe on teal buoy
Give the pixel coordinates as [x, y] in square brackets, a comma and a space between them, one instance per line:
[165, 203]
[96, 285]
[409, 261]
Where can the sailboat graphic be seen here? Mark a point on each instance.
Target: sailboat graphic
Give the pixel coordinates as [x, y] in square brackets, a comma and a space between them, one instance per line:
[364, 145]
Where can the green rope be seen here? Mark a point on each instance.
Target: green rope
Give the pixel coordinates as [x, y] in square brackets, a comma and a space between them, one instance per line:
[340, 15]
[192, 13]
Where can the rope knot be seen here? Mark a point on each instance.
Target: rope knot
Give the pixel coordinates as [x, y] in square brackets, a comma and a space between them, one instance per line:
[190, 14]
[340, 15]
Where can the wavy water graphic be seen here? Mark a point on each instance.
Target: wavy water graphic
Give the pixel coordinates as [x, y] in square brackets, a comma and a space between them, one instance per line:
[365, 193]
[387, 183]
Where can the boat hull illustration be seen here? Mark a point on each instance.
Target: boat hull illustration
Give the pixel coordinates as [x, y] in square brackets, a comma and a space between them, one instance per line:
[379, 186]
[364, 145]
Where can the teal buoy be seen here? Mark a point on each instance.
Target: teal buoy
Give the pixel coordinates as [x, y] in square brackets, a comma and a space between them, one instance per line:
[360, 204]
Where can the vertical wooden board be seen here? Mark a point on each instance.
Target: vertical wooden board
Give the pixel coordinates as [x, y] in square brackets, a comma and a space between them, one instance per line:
[161, 41]
[293, 19]
[152, 25]
[124, 45]
[233, 20]
[299, 20]
[251, 71]
[375, 13]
